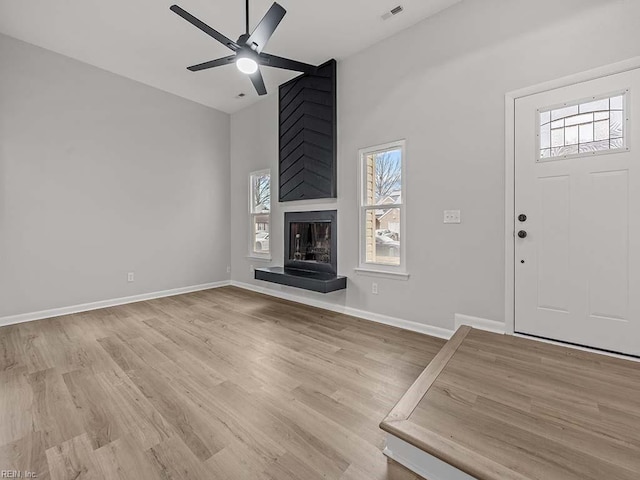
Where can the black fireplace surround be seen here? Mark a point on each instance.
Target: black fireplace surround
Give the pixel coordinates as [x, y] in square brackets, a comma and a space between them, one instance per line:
[310, 253]
[310, 242]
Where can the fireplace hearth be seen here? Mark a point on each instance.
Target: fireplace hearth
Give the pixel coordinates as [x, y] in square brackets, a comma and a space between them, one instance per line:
[310, 253]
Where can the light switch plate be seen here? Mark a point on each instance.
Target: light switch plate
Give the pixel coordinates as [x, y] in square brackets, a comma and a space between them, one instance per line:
[452, 216]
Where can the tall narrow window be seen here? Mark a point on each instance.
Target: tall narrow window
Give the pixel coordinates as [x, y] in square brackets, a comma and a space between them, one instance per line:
[260, 212]
[382, 207]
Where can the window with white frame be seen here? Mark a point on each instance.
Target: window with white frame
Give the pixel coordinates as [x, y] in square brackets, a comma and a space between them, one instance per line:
[259, 212]
[382, 207]
[590, 127]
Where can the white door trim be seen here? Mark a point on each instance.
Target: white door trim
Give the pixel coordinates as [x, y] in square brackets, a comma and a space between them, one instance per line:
[510, 157]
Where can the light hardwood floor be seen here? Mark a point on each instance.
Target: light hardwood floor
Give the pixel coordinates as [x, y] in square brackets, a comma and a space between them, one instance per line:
[220, 384]
[507, 408]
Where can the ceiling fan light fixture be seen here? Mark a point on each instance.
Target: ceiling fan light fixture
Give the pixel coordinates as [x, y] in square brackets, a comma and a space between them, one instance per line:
[248, 54]
[247, 65]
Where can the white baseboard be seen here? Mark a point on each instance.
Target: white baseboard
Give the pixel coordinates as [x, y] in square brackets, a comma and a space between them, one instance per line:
[354, 312]
[479, 323]
[420, 462]
[85, 307]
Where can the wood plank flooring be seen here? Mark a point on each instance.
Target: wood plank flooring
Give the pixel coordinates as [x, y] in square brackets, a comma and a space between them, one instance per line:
[221, 384]
[509, 408]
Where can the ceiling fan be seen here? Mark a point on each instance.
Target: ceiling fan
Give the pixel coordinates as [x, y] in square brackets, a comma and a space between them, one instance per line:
[248, 54]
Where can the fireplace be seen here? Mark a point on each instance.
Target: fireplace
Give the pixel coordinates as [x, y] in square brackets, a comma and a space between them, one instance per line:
[310, 241]
[310, 253]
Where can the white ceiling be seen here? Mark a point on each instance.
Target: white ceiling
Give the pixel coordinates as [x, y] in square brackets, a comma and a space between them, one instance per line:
[143, 40]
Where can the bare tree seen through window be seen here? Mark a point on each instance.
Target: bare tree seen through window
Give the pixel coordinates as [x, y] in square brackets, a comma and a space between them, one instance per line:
[262, 192]
[388, 176]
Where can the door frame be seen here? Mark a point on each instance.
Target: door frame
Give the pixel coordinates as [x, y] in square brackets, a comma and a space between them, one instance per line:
[510, 170]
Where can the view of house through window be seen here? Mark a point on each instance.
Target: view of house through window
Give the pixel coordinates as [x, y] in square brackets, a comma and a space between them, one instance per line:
[381, 209]
[260, 211]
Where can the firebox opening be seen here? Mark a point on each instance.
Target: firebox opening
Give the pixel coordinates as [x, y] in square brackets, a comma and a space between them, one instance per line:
[310, 242]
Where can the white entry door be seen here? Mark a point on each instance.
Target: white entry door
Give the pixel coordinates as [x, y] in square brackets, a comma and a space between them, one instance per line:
[577, 252]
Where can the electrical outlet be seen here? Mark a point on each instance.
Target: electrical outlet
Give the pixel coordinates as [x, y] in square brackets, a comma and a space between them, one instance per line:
[228, 269]
[374, 288]
[452, 216]
[131, 276]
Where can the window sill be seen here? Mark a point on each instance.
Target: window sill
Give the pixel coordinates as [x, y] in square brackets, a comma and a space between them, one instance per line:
[259, 257]
[382, 273]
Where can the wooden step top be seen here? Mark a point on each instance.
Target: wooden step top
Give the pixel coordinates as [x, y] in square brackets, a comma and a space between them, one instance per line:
[500, 407]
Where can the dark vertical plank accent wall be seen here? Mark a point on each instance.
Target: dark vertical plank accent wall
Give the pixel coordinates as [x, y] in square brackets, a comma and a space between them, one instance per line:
[308, 147]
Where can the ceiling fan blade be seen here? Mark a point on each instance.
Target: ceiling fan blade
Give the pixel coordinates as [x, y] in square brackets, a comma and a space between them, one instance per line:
[269, 60]
[266, 27]
[258, 82]
[205, 28]
[213, 63]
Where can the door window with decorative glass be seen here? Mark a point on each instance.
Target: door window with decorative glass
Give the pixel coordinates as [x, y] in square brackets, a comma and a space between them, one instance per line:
[590, 127]
[260, 212]
[382, 206]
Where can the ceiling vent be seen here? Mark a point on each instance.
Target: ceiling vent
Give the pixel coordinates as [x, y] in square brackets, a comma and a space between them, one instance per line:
[393, 12]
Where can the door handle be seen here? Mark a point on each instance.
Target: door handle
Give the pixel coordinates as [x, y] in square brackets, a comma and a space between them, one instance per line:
[522, 217]
[522, 234]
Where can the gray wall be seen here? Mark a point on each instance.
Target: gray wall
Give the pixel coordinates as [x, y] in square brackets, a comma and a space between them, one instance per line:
[99, 176]
[440, 85]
